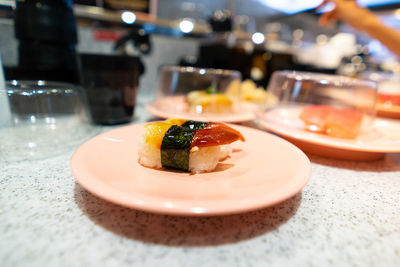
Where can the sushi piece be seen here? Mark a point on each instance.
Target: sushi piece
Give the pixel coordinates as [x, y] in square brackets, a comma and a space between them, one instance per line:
[315, 117]
[341, 123]
[388, 99]
[191, 146]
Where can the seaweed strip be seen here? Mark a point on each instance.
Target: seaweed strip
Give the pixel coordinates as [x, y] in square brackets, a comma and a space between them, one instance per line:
[175, 146]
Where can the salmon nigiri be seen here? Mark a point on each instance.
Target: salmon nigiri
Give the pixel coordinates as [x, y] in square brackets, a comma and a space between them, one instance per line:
[342, 123]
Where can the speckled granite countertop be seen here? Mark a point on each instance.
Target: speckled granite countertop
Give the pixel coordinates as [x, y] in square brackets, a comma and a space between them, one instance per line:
[347, 215]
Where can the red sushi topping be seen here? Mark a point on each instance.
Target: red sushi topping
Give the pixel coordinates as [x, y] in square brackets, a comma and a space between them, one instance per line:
[315, 117]
[389, 99]
[221, 126]
[343, 123]
[215, 134]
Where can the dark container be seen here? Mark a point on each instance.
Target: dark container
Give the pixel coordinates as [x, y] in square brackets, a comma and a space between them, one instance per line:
[47, 35]
[111, 83]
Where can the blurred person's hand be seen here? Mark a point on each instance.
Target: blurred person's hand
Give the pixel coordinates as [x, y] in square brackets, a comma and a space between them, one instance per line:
[349, 12]
[364, 20]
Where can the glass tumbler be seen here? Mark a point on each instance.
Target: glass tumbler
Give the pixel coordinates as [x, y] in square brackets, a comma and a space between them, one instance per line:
[44, 119]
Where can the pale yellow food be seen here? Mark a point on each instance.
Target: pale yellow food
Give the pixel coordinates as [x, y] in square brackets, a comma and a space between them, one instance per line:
[246, 91]
[202, 102]
[249, 92]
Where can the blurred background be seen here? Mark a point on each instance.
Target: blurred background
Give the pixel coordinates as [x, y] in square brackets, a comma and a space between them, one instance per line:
[63, 40]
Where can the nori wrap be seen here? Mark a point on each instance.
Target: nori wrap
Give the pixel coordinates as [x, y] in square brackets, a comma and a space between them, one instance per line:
[175, 146]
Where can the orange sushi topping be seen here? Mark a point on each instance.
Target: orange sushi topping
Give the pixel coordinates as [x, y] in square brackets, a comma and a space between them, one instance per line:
[342, 123]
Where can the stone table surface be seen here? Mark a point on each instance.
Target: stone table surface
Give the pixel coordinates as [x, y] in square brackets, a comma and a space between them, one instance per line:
[347, 215]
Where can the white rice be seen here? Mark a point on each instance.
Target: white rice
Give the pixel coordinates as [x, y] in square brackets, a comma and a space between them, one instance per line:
[225, 151]
[149, 155]
[205, 159]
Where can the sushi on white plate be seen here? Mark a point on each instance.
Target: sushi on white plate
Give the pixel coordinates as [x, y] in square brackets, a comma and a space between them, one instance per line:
[191, 146]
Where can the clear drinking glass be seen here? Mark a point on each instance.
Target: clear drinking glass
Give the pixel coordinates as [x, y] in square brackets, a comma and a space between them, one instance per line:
[44, 118]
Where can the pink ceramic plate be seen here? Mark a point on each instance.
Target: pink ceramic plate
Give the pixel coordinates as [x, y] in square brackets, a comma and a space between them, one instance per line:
[176, 107]
[383, 137]
[262, 171]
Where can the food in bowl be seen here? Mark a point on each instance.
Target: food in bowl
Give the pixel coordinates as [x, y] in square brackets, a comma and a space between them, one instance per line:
[250, 93]
[208, 102]
[187, 145]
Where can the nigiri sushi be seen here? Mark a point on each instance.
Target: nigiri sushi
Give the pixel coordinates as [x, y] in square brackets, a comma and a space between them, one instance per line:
[341, 123]
[389, 99]
[186, 145]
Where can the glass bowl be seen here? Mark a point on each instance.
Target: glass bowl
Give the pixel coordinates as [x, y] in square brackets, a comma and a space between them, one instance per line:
[41, 119]
[332, 105]
[189, 90]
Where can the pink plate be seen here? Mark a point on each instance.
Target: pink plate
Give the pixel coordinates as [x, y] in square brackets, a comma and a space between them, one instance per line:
[176, 107]
[383, 137]
[262, 171]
